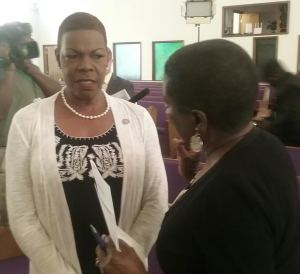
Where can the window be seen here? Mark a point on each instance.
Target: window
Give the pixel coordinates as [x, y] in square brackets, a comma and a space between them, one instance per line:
[161, 51]
[127, 60]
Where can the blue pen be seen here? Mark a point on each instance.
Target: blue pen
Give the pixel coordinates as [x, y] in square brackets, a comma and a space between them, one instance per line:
[98, 238]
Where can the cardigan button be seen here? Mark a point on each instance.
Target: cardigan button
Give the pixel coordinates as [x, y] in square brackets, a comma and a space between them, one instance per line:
[125, 121]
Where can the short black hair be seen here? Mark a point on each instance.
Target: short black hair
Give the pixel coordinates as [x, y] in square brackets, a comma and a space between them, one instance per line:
[273, 72]
[80, 21]
[214, 76]
[13, 32]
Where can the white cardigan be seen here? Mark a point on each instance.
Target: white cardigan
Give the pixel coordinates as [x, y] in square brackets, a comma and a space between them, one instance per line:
[38, 212]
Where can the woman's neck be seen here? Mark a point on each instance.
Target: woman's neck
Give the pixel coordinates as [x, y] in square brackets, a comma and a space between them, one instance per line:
[218, 147]
[222, 143]
[84, 98]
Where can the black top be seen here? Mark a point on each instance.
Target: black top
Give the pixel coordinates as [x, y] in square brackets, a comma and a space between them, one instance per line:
[117, 83]
[241, 217]
[285, 120]
[74, 167]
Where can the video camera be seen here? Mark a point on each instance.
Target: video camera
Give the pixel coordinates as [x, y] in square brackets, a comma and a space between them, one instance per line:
[12, 33]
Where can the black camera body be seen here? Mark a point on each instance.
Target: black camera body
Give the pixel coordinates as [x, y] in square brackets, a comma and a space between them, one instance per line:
[12, 33]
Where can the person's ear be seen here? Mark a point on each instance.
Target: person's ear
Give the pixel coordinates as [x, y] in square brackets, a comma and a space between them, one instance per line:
[200, 119]
[109, 55]
[109, 51]
[57, 57]
[109, 60]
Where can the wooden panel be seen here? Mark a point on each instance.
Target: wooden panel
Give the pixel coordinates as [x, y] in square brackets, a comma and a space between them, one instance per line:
[8, 246]
[51, 67]
[153, 112]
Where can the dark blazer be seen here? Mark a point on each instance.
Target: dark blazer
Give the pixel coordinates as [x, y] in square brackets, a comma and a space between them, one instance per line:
[117, 83]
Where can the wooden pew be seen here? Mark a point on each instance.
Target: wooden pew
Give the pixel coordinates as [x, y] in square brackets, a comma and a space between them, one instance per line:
[154, 86]
[161, 115]
[153, 112]
[16, 265]
[8, 245]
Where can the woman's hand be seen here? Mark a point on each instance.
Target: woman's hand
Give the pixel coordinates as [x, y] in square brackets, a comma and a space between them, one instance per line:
[28, 67]
[188, 161]
[114, 262]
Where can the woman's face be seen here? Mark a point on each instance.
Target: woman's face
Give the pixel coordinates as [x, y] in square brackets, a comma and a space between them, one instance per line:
[183, 122]
[83, 58]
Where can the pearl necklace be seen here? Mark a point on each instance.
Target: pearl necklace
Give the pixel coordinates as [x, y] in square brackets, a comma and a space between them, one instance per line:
[90, 117]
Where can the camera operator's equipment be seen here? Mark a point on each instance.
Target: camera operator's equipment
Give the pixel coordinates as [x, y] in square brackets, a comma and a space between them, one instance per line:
[198, 12]
[28, 50]
[13, 33]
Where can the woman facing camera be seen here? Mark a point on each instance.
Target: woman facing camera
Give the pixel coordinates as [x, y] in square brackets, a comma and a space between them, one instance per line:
[51, 192]
[240, 213]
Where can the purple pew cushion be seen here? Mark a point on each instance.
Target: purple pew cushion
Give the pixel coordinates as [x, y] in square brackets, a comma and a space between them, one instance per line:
[16, 265]
[154, 98]
[175, 181]
[154, 86]
[295, 156]
[154, 267]
[161, 108]
[176, 184]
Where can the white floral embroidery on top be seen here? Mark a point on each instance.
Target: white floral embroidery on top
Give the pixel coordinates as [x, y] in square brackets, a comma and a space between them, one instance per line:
[109, 160]
[73, 161]
[57, 140]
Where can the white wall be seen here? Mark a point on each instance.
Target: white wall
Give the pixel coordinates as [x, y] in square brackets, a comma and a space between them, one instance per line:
[14, 10]
[146, 21]
[125, 21]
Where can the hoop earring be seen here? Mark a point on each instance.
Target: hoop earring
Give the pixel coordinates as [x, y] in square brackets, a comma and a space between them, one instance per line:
[196, 142]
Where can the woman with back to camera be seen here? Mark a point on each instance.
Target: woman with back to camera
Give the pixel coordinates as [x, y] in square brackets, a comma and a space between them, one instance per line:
[50, 189]
[240, 213]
